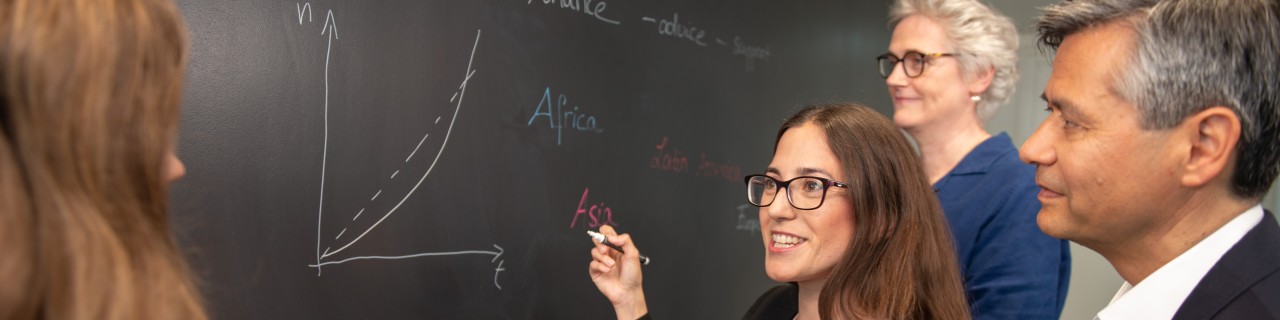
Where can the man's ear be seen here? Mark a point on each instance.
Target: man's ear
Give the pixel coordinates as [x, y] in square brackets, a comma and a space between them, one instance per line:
[1212, 134]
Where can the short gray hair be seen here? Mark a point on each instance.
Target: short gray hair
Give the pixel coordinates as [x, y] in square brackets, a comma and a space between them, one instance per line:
[1190, 55]
[982, 37]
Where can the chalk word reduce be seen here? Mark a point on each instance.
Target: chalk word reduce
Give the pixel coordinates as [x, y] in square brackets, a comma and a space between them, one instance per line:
[595, 213]
[583, 6]
[673, 28]
[558, 118]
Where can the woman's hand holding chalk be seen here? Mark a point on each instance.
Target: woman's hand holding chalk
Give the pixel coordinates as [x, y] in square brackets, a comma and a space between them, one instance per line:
[618, 280]
[601, 239]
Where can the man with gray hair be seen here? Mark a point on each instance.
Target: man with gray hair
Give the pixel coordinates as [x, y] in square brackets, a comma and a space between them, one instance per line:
[1163, 137]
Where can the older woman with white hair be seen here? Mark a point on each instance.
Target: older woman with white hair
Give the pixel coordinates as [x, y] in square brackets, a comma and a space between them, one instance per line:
[950, 64]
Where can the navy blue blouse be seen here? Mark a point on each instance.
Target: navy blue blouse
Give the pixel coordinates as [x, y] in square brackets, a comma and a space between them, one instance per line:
[1011, 269]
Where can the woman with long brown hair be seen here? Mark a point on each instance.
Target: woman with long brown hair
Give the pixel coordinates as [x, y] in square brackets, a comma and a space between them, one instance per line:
[848, 220]
[89, 98]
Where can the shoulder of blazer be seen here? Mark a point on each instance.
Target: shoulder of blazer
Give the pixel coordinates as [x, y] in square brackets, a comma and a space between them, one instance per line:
[1248, 262]
[780, 302]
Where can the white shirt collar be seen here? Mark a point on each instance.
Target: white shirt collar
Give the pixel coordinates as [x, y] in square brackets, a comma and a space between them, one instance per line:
[1161, 294]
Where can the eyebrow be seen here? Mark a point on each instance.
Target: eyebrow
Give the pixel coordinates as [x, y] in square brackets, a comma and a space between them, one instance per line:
[809, 171]
[1066, 107]
[802, 171]
[904, 52]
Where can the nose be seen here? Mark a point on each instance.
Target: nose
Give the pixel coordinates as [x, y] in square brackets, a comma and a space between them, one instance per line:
[897, 76]
[780, 209]
[173, 168]
[1038, 150]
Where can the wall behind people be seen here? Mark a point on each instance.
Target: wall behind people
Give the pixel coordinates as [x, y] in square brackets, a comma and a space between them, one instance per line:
[413, 159]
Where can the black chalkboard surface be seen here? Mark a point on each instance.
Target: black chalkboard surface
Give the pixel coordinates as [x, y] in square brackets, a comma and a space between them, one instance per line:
[443, 159]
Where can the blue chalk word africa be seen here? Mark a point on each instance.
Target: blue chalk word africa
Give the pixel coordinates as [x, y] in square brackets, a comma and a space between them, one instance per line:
[558, 117]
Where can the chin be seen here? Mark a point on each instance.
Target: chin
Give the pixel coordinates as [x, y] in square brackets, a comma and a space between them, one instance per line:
[776, 271]
[778, 275]
[904, 121]
[771, 273]
[1051, 223]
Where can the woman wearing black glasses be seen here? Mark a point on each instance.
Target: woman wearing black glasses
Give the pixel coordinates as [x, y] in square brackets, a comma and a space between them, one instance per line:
[950, 65]
[847, 220]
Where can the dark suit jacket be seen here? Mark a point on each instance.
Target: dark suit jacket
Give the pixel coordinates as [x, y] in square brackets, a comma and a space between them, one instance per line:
[1245, 283]
[780, 303]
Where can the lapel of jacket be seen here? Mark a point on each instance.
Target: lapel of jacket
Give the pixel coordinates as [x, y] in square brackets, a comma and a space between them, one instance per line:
[1247, 262]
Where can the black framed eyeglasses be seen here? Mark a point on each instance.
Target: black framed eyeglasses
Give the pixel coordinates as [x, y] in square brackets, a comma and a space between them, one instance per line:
[912, 62]
[812, 191]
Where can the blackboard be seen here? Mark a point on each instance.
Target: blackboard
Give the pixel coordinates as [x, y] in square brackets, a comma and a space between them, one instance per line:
[443, 159]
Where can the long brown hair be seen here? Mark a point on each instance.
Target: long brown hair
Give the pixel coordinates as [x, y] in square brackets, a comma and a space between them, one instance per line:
[901, 262]
[89, 96]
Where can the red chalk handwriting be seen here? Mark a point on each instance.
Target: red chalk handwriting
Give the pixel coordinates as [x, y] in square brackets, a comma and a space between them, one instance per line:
[594, 213]
[728, 172]
[671, 159]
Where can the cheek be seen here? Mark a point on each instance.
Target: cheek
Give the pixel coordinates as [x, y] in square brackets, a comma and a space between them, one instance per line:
[842, 236]
[925, 88]
[836, 228]
[942, 94]
[943, 85]
[1097, 176]
[763, 217]
[1083, 165]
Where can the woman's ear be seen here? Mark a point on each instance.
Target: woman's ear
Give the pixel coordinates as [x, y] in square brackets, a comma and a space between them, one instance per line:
[981, 81]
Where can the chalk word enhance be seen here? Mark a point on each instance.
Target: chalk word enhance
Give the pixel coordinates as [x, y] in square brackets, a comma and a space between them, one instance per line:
[558, 118]
[583, 6]
[669, 160]
[595, 212]
[751, 53]
[744, 222]
[673, 28]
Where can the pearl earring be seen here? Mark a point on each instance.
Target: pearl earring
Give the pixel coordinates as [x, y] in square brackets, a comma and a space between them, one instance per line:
[975, 98]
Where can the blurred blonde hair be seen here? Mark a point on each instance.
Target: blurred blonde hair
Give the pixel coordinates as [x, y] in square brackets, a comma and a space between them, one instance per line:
[89, 97]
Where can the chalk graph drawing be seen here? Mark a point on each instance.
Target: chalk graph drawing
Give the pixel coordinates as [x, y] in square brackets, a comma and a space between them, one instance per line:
[329, 245]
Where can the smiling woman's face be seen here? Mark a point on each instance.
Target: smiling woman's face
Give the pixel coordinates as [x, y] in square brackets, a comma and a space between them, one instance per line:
[939, 94]
[804, 245]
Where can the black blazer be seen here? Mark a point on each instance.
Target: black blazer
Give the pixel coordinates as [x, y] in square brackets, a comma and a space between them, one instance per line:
[780, 303]
[1245, 283]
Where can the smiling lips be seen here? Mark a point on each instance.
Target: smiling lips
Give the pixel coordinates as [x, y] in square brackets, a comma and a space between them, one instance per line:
[786, 241]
